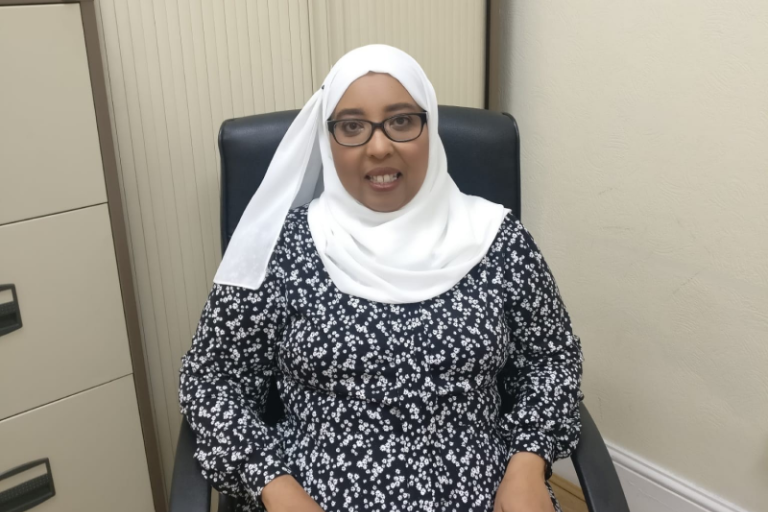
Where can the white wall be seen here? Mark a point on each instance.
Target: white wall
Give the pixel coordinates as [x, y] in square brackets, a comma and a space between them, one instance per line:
[645, 181]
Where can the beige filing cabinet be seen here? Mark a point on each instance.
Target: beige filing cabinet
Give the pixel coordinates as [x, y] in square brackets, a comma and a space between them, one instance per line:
[76, 429]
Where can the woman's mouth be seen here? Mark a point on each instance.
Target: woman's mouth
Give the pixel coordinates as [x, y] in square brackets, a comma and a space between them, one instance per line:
[384, 182]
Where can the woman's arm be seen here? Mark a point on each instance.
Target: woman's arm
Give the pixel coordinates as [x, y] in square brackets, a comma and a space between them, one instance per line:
[545, 358]
[225, 378]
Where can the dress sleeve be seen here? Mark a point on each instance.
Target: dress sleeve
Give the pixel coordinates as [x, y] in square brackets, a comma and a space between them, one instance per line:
[543, 373]
[225, 378]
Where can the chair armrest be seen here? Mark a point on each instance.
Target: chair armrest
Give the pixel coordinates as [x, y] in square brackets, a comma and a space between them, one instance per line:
[190, 492]
[597, 475]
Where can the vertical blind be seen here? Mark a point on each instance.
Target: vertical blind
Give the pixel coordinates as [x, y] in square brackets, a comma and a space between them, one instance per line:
[176, 69]
[447, 37]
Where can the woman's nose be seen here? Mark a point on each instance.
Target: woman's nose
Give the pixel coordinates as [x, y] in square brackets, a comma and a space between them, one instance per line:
[379, 146]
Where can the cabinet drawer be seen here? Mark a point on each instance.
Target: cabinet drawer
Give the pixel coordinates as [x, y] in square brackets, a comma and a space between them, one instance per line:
[95, 448]
[50, 159]
[73, 335]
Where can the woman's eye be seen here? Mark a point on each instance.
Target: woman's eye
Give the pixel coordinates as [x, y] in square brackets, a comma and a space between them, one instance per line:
[350, 127]
[401, 122]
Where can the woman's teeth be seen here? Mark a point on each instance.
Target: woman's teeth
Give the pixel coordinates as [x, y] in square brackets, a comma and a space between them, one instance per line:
[387, 178]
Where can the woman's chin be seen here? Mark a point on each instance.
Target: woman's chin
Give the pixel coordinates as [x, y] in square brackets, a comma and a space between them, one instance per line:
[383, 209]
[383, 205]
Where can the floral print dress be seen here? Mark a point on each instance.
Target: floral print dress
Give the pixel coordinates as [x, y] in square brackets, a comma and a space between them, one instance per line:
[390, 407]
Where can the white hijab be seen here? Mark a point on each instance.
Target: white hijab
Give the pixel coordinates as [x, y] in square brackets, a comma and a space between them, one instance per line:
[409, 255]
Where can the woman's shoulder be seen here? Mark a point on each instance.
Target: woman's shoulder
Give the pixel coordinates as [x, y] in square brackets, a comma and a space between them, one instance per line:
[296, 221]
[297, 217]
[295, 233]
[509, 232]
[510, 223]
[513, 242]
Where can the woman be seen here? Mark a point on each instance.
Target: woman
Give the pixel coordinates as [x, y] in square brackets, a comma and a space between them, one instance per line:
[384, 309]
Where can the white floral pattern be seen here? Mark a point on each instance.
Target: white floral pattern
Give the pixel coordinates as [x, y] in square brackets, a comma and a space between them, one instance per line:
[391, 407]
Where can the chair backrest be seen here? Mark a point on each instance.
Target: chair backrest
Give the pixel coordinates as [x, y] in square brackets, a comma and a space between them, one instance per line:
[483, 151]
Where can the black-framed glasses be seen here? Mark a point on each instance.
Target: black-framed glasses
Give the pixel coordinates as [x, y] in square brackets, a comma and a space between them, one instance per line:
[398, 128]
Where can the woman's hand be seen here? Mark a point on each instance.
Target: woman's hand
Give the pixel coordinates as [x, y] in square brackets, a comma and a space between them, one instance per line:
[285, 494]
[524, 488]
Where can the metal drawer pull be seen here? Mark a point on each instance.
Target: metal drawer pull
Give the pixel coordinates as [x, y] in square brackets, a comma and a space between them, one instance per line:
[29, 494]
[10, 314]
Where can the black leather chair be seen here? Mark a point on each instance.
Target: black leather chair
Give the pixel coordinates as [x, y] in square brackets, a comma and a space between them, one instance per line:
[483, 150]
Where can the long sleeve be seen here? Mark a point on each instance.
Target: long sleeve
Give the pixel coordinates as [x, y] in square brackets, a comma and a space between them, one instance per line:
[544, 355]
[225, 378]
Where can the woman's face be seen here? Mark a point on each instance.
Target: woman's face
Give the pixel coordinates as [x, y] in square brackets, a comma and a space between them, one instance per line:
[366, 171]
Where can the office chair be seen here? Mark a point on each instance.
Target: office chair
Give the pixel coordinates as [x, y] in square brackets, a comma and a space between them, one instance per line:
[483, 150]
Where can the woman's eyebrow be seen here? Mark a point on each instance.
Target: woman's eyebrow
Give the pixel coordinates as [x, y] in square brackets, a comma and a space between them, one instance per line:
[349, 112]
[394, 107]
[401, 106]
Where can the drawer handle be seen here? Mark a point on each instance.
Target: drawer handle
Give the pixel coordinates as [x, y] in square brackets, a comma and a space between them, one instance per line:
[27, 494]
[10, 314]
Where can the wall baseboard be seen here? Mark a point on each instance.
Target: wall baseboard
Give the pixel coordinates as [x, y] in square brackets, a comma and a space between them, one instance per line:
[649, 488]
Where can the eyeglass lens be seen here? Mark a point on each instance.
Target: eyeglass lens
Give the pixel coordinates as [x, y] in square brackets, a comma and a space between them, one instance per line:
[400, 128]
